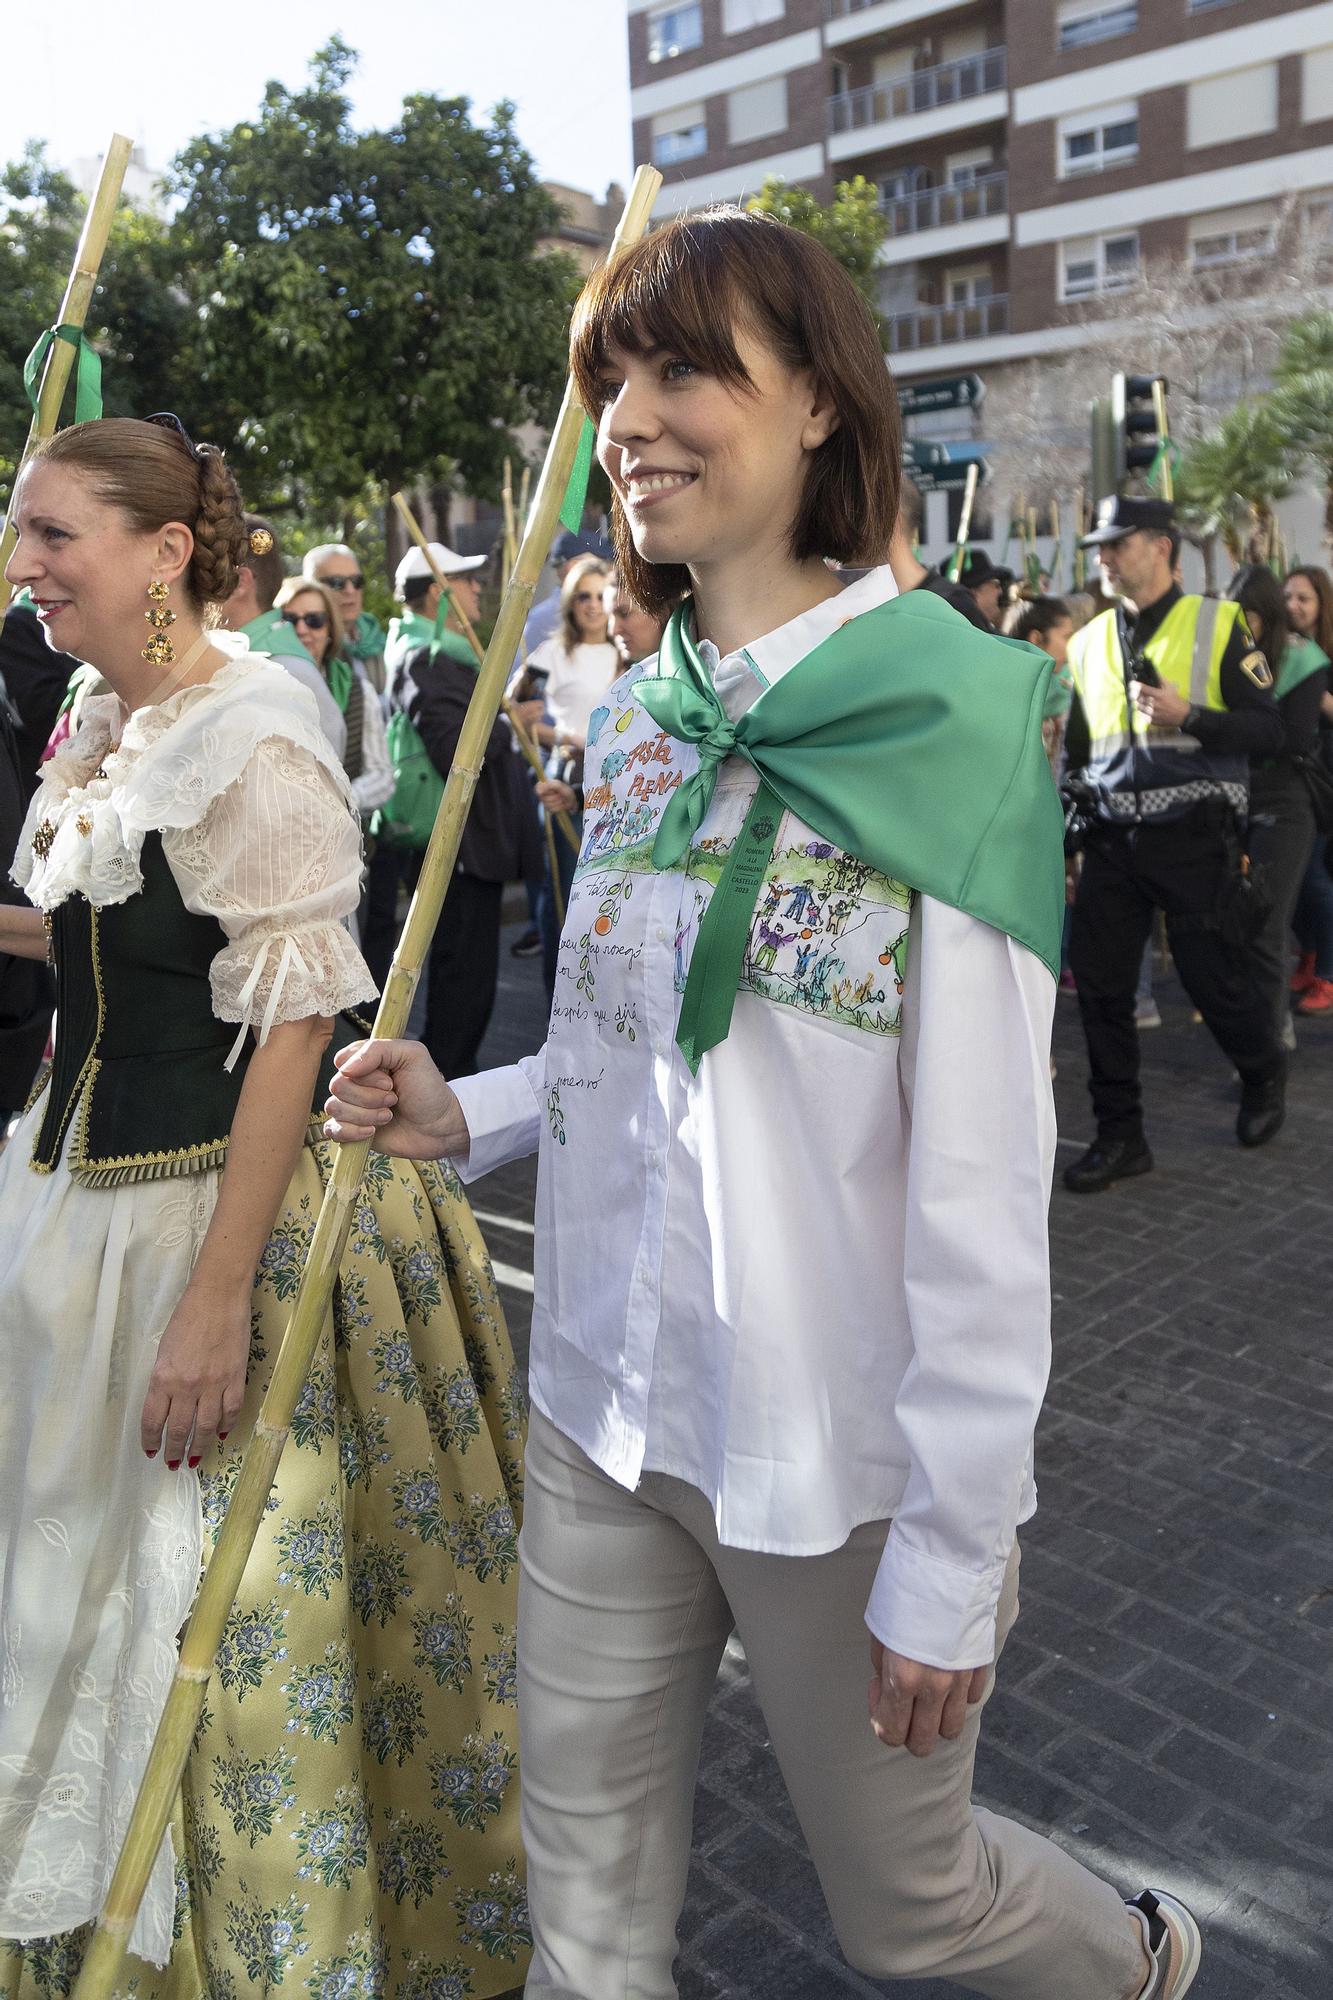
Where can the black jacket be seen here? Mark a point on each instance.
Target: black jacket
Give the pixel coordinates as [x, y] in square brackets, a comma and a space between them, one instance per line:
[27, 992]
[501, 836]
[35, 679]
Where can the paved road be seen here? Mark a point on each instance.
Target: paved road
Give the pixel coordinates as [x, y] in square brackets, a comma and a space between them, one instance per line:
[1165, 1707]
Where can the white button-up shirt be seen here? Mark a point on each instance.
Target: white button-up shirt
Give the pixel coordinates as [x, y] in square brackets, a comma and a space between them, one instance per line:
[812, 1281]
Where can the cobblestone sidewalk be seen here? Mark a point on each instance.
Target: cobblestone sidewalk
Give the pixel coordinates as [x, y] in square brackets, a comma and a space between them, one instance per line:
[1165, 1705]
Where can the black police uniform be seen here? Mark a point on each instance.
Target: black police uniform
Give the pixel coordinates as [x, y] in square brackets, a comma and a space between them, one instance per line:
[1172, 846]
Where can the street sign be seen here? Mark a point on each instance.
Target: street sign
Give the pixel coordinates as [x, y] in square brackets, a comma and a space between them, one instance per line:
[936, 467]
[945, 392]
[921, 456]
[950, 478]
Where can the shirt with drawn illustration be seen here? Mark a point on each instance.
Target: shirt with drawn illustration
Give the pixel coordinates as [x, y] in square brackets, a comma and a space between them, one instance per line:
[812, 1281]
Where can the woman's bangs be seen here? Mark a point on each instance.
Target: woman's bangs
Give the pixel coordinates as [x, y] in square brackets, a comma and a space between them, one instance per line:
[657, 298]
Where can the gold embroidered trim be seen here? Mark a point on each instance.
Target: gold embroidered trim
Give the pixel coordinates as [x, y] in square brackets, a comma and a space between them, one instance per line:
[131, 1171]
[83, 1081]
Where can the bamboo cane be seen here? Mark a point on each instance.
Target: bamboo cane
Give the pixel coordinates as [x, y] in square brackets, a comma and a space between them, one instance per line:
[73, 312]
[523, 485]
[510, 539]
[222, 1578]
[1080, 556]
[965, 520]
[1163, 432]
[525, 742]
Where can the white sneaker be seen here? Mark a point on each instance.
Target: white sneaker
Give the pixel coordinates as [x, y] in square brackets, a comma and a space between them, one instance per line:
[1147, 1014]
[1173, 1942]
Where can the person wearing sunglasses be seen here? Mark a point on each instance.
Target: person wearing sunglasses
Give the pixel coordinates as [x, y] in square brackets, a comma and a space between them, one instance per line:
[308, 609]
[250, 611]
[574, 668]
[335, 565]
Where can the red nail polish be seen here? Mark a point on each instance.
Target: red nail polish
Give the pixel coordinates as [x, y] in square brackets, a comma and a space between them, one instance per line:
[173, 1465]
[223, 1436]
[198, 1459]
[152, 1453]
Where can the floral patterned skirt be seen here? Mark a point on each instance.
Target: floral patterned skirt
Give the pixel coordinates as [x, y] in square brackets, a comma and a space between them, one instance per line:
[348, 1820]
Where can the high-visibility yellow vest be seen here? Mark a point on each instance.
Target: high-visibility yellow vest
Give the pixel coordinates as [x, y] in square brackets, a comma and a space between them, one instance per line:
[1129, 755]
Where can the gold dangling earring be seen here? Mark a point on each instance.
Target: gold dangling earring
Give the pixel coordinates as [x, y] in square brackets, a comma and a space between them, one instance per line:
[159, 652]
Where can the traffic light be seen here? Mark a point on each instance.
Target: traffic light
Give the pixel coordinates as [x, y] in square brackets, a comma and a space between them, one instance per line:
[1142, 440]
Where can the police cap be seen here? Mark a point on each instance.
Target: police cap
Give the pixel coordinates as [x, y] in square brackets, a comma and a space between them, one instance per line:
[1120, 514]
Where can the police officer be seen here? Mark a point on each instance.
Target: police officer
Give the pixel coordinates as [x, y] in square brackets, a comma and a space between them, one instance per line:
[1172, 699]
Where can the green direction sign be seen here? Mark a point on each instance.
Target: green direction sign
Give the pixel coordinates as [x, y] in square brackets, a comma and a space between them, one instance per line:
[932, 469]
[944, 392]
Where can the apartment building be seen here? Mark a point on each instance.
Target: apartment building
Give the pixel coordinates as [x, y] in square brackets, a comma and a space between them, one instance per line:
[1029, 154]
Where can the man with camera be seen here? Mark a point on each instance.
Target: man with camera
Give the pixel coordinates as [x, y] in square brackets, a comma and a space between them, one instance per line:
[1172, 699]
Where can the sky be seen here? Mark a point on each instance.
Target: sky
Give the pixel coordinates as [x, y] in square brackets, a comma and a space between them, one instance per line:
[161, 73]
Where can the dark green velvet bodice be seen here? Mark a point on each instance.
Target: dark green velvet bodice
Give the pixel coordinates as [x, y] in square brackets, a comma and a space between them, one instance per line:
[139, 1053]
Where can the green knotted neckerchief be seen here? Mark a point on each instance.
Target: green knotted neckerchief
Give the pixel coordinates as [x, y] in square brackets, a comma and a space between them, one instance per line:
[908, 739]
[1300, 659]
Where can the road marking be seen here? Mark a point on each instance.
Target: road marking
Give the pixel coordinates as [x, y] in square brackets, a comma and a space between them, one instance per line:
[511, 1275]
[494, 1221]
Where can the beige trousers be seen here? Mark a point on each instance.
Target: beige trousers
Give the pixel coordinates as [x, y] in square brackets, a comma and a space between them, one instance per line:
[626, 1601]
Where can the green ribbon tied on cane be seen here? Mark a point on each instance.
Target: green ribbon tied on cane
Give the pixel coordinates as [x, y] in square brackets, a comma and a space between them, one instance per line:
[576, 491]
[908, 740]
[87, 376]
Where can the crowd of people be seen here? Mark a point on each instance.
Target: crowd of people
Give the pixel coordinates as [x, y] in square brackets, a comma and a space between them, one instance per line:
[804, 991]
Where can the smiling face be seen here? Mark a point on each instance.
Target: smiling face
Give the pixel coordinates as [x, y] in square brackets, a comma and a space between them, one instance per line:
[1302, 605]
[87, 566]
[708, 471]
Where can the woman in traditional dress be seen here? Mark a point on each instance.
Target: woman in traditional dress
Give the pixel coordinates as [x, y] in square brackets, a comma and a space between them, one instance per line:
[791, 1324]
[348, 1818]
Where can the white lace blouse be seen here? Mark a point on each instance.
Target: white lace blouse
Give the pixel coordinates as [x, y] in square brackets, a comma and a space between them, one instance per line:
[257, 824]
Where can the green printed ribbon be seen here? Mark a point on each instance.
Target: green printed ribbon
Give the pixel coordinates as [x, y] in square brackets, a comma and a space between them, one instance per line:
[719, 953]
[576, 493]
[88, 371]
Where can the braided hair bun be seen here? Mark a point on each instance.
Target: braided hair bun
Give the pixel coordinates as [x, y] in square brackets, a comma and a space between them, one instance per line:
[221, 542]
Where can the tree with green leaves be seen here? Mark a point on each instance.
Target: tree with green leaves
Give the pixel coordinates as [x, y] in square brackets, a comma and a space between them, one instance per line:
[371, 306]
[1302, 401]
[1229, 481]
[852, 226]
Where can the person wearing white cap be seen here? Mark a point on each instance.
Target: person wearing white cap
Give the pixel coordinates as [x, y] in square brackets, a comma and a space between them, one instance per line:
[416, 588]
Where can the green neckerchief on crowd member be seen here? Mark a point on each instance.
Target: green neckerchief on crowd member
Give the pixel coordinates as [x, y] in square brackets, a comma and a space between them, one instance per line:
[1300, 659]
[365, 639]
[906, 740]
[339, 673]
[452, 644]
[270, 633]
[405, 635]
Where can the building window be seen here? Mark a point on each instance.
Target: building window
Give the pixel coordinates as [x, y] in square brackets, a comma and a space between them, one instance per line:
[757, 111]
[965, 169]
[679, 135]
[1089, 142]
[1094, 264]
[673, 30]
[740, 15]
[1235, 238]
[1316, 84]
[1206, 6]
[1219, 109]
[1082, 22]
[969, 285]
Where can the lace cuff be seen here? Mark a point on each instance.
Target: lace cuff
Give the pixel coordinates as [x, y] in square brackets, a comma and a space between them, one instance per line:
[286, 975]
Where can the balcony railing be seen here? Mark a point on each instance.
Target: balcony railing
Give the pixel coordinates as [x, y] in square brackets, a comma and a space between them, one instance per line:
[937, 326]
[837, 10]
[943, 207]
[924, 90]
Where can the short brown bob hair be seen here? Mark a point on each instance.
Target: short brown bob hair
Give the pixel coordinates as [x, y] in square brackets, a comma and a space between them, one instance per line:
[686, 288]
